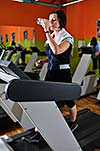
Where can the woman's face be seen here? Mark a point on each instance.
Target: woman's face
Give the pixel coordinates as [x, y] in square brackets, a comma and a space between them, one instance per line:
[54, 22]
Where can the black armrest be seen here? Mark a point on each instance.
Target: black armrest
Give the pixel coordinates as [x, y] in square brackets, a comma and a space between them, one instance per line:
[34, 90]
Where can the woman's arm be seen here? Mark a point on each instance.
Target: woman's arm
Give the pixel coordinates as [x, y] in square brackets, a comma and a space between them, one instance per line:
[40, 62]
[57, 49]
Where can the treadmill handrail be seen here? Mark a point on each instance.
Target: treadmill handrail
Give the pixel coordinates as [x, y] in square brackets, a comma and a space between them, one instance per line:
[19, 90]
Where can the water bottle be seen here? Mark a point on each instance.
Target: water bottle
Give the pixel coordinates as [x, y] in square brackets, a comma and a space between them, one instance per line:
[40, 21]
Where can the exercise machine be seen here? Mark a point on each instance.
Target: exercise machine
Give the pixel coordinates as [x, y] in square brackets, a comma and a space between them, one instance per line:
[58, 116]
[9, 71]
[87, 81]
[87, 135]
[4, 146]
[47, 117]
[2, 53]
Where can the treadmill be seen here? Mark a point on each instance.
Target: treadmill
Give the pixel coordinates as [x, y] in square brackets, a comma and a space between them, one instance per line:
[86, 137]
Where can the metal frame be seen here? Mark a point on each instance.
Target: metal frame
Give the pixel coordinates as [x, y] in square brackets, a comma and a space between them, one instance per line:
[48, 4]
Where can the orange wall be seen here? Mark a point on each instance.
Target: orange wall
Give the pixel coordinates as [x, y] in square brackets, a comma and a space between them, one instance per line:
[23, 14]
[19, 32]
[81, 17]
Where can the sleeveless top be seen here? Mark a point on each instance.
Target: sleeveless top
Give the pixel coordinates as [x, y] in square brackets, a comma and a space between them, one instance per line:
[54, 61]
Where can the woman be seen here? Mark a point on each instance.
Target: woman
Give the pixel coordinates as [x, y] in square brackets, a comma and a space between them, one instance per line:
[58, 49]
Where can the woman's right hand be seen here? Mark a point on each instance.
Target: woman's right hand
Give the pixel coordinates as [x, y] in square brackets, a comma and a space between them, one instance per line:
[45, 25]
[39, 63]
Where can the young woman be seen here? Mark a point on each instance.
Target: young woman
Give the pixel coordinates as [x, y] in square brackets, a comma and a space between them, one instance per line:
[58, 49]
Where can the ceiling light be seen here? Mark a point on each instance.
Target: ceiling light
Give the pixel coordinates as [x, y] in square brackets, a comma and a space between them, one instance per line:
[18, 0]
[72, 2]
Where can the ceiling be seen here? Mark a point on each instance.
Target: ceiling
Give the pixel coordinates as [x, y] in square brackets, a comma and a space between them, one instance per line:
[53, 3]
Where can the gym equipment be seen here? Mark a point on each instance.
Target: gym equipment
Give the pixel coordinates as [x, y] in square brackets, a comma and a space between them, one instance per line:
[60, 91]
[18, 50]
[87, 81]
[2, 53]
[10, 51]
[43, 72]
[52, 108]
[43, 113]
[98, 96]
[9, 71]
[29, 67]
[88, 133]
[4, 146]
[54, 133]
[7, 77]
